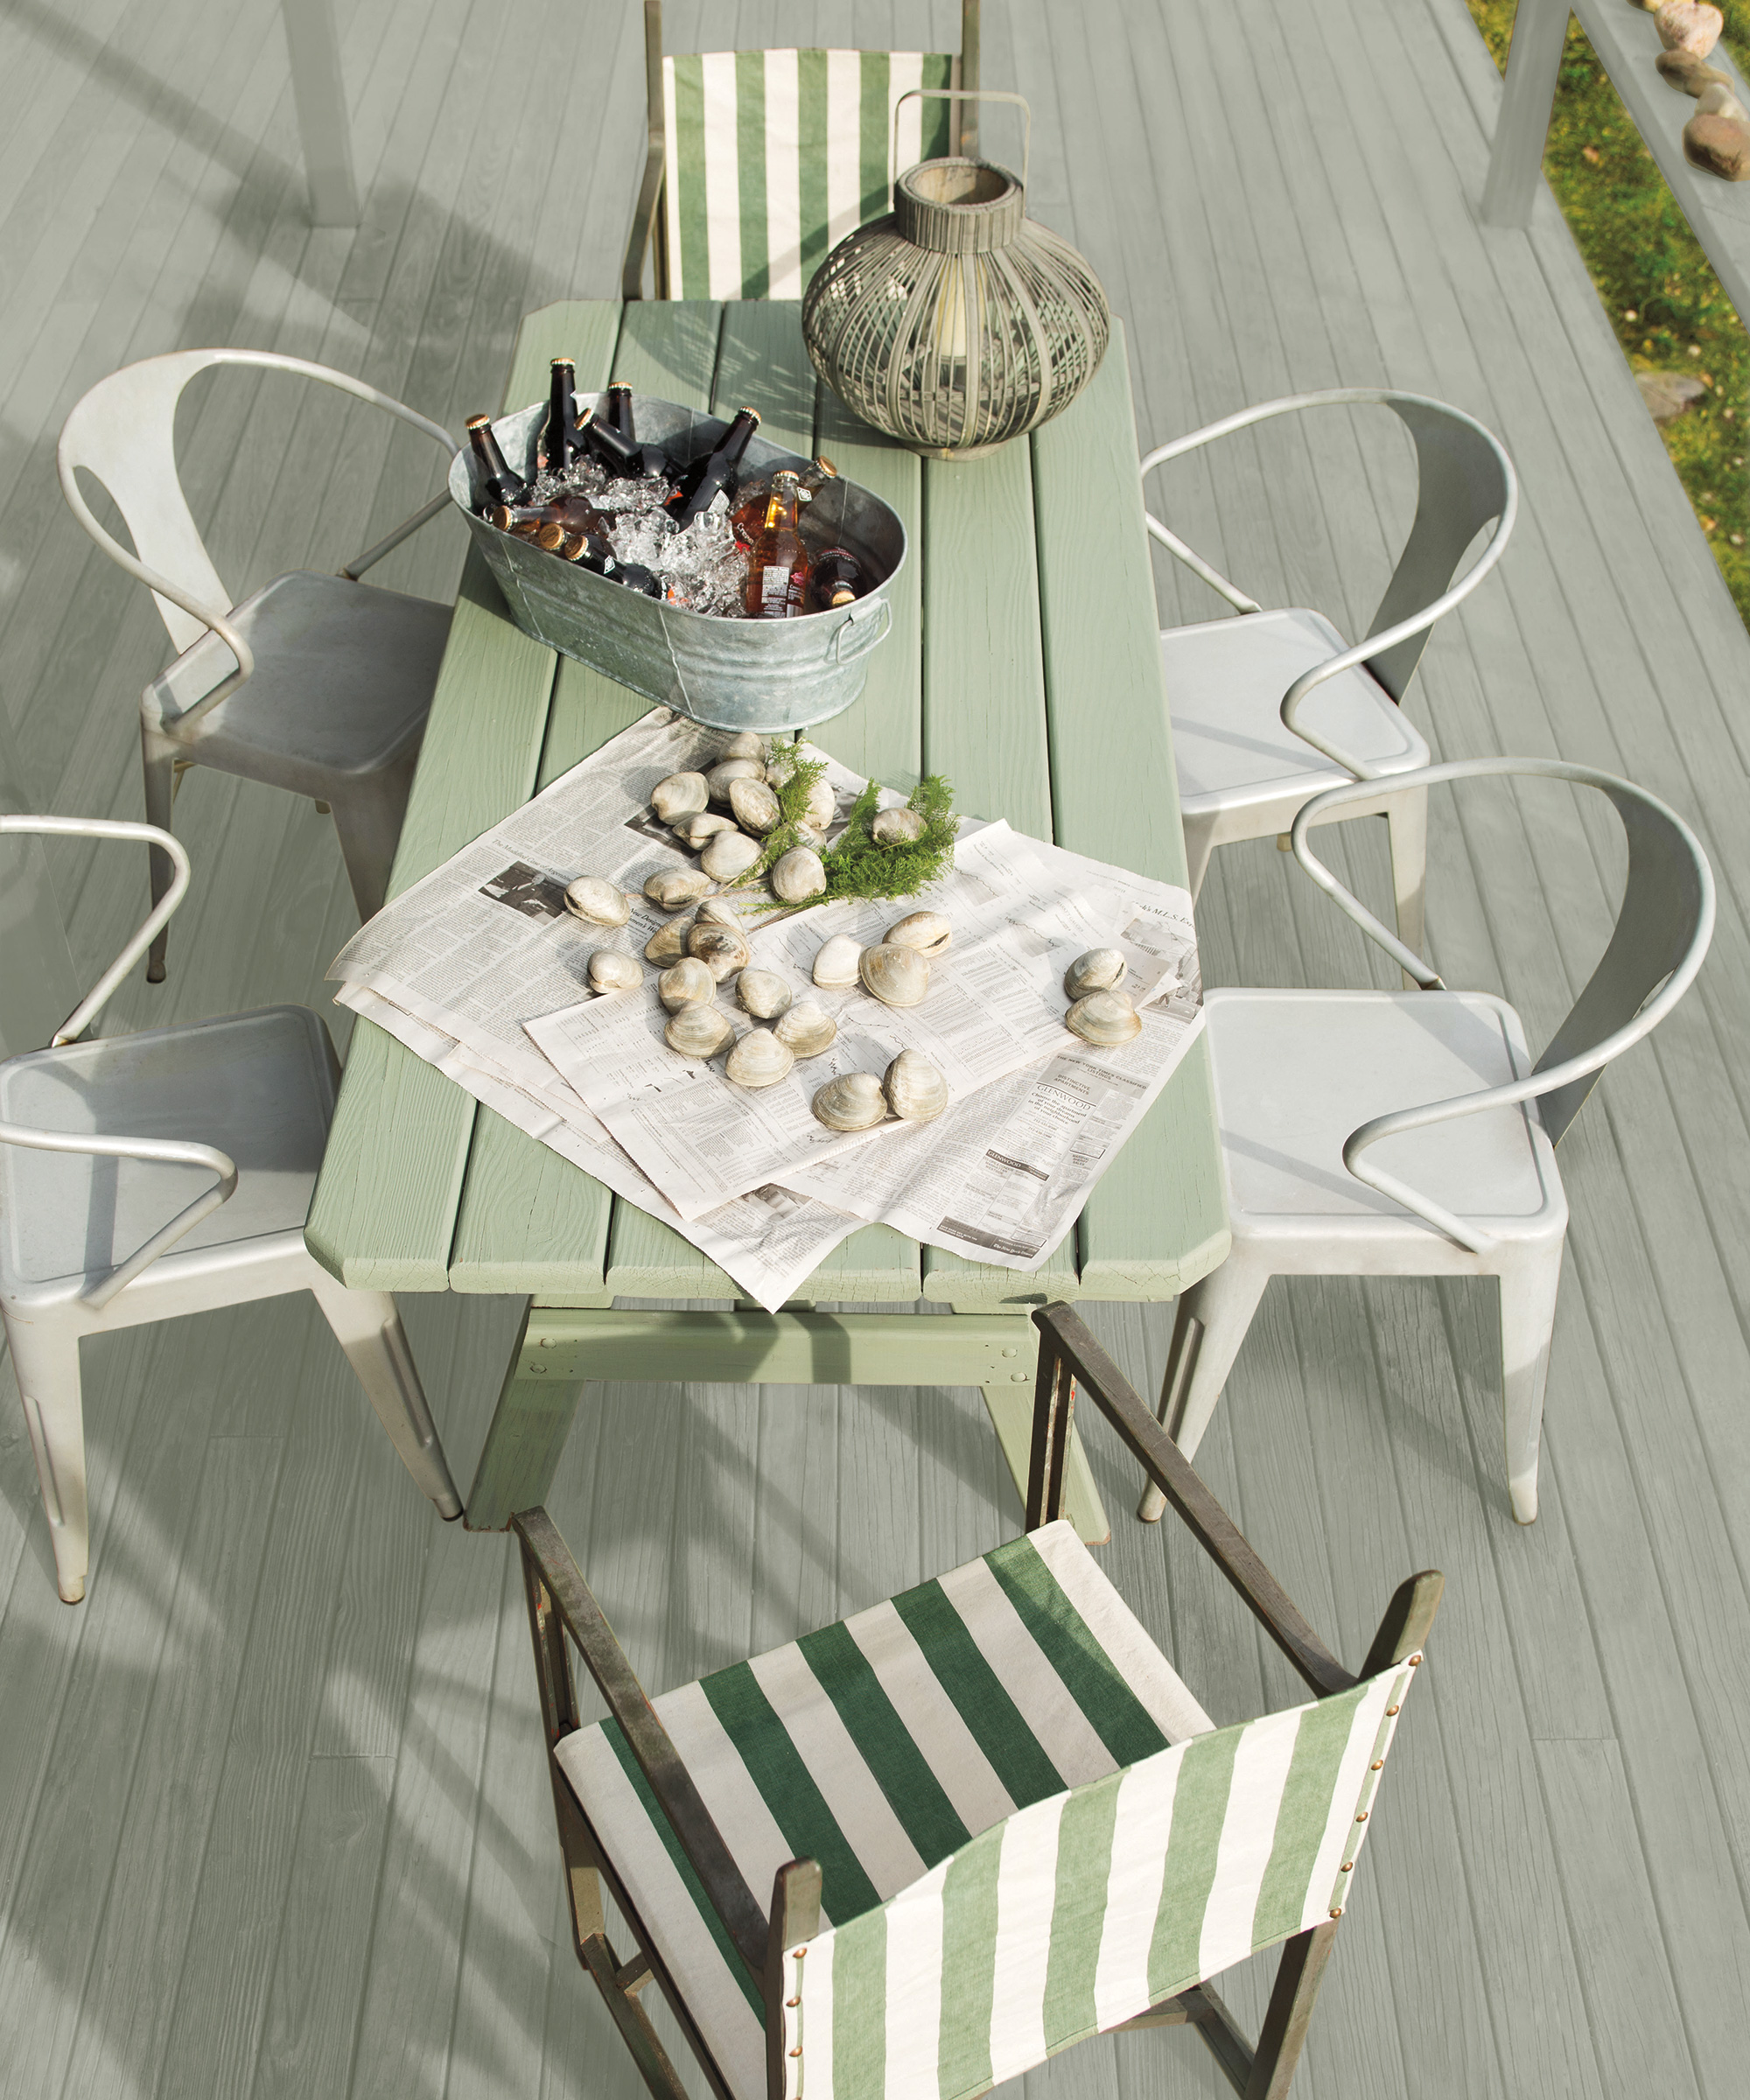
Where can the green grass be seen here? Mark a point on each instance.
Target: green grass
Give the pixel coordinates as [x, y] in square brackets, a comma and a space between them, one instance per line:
[1664, 301]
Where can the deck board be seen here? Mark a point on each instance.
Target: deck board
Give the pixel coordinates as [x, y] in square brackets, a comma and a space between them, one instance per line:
[271, 1814]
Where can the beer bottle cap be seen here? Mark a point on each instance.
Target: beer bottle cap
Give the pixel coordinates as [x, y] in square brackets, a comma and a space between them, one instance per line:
[754, 413]
[480, 423]
[618, 386]
[827, 467]
[562, 364]
[843, 596]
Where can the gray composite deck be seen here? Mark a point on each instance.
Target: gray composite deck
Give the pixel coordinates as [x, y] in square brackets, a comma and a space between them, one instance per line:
[271, 1814]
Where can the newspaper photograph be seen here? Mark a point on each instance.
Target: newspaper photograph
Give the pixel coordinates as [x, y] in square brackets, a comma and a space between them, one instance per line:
[769, 1242]
[995, 1004]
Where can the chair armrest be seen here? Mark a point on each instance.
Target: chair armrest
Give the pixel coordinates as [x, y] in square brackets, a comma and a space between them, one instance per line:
[405, 530]
[547, 1560]
[96, 827]
[1065, 1343]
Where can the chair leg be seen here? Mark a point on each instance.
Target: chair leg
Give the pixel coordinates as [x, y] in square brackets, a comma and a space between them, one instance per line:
[45, 1358]
[367, 817]
[158, 755]
[1199, 846]
[1406, 818]
[1528, 1319]
[369, 1328]
[1208, 1326]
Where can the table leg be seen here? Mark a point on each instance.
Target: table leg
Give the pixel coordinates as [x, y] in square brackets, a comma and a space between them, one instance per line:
[528, 1431]
[1011, 1414]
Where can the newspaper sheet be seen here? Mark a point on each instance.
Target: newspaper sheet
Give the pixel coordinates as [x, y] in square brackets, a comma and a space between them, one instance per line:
[995, 1006]
[1005, 1172]
[770, 1240]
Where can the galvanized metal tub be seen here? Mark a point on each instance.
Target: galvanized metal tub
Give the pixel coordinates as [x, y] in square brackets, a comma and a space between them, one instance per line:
[729, 674]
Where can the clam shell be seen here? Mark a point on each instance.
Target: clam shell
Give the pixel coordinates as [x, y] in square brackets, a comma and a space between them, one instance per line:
[694, 830]
[811, 836]
[897, 976]
[747, 744]
[729, 854]
[897, 828]
[759, 1060]
[720, 911]
[798, 875]
[679, 795]
[609, 970]
[1099, 970]
[669, 943]
[675, 888]
[697, 1030]
[754, 805]
[599, 902]
[717, 780]
[720, 949]
[852, 1102]
[783, 762]
[914, 1088]
[684, 983]
[928, 931]
[807, 1028]
[1683, 25]
[836, 964]
[763, 993]
[822, 805]
[1104, 1019]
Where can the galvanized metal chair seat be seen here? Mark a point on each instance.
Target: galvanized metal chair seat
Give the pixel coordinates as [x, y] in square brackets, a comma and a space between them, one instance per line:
[143, 1177]
[1244, 776]
[1372, 1133]
[343, 680]
[315, 684]
[993, 1819]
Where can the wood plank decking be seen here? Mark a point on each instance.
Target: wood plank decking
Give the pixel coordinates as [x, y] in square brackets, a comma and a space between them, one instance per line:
[271, 1816]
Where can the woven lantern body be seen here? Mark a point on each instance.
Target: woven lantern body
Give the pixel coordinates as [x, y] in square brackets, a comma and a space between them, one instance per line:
[955, 323]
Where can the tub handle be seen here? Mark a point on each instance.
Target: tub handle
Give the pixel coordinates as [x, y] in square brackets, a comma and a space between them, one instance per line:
[865, 609]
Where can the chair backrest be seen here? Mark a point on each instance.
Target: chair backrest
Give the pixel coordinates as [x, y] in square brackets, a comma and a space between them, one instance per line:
[1085, 1909]
[1663, 926]
[1465, 483]
[773, 156]
[123, 433]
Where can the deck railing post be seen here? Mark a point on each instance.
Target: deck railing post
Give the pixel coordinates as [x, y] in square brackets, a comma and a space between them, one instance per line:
[1533, 60]
[319, 92]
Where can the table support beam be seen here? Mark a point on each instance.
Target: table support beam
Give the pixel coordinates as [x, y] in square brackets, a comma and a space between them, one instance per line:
[562, 1349]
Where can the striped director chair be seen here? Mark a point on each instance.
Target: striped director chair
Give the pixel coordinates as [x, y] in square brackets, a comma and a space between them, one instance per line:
[993, 1819]
[759, 162]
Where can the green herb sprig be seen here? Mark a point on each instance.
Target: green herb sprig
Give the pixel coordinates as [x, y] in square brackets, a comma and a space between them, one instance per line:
[855, 864]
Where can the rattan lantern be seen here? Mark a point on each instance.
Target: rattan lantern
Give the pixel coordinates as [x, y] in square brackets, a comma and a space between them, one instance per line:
[955, 322]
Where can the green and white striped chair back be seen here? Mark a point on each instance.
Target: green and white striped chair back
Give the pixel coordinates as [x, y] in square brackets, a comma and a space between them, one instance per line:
[1084, 1909]
[773, 156]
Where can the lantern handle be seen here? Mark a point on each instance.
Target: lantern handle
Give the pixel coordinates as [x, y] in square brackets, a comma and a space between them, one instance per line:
[969, 95]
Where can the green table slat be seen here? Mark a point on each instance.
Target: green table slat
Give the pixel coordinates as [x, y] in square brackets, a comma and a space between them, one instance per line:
[761, 364]
[880, 735]
[1158, 1221]
[385, 1208]
[984, 727]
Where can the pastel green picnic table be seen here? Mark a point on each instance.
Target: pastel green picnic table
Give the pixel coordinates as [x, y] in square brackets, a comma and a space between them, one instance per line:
[1023, 663]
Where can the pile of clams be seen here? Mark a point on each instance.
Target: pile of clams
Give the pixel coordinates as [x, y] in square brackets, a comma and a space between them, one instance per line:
[724, 814]
[911, 1089]
[711, 952]
[1099, 1012]
[896, 970]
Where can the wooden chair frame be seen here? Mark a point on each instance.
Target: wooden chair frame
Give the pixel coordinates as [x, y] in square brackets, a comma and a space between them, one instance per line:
[561, 1604]
[648, 239]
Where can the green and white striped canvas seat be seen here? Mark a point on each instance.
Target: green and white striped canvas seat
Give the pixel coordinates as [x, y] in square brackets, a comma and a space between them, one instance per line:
[773, 156]
[1027, 1827]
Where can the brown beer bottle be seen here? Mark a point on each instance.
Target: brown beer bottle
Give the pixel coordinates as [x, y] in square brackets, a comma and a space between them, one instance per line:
[696, 485]
[573, 511]
[777, 567]
[836, 575]
[617, 410]
[557, 447]
[499, 485]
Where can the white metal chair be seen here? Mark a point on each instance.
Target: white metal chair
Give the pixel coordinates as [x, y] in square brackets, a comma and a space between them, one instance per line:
[114, 1158]
[318, 683]
[1464, 1182]
[1251, 742]
[993, 1818]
